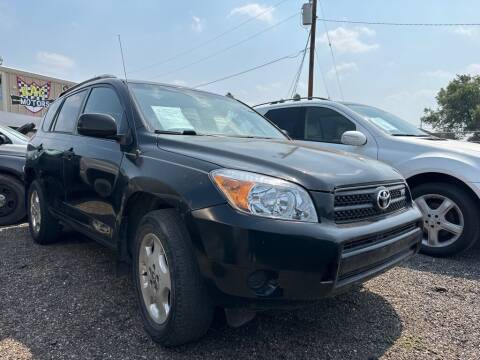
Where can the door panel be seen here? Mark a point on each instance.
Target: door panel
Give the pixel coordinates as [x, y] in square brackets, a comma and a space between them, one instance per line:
[90, 174]
[92, 171]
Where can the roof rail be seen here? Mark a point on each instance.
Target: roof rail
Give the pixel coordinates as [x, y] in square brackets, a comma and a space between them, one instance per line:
[281, 101]
[99, 77]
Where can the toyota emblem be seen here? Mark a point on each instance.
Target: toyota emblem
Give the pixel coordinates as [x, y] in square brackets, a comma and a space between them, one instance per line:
[383, 198]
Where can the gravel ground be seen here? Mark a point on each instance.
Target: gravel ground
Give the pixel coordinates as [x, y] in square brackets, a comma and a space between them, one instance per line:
[63, 302]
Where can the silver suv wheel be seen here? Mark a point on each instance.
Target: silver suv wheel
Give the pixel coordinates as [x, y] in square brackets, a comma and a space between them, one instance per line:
[443, 221]
[154, 279]
[35, 211]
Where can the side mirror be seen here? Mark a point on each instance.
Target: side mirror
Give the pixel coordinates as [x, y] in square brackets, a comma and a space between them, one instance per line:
[3, 139]
[354, 138]
[97, 125]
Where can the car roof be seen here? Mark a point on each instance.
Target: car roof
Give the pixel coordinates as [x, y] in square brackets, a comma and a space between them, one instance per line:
[112, 78]
[301, 102]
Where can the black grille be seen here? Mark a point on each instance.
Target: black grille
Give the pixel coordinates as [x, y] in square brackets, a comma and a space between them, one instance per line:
[360, 203]
[364, 242]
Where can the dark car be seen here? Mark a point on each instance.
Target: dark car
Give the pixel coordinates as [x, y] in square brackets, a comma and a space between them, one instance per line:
[13, 147]
[211, 203]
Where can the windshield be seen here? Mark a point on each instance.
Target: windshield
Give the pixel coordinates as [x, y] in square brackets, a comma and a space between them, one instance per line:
[178, 110]
[13, 135]
[387, 122]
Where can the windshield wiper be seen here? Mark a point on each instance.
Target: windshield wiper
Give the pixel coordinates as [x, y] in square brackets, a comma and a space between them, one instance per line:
[183, 132]
[412, 135]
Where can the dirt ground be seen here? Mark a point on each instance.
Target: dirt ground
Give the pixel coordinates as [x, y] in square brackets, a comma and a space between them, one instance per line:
[63, 301]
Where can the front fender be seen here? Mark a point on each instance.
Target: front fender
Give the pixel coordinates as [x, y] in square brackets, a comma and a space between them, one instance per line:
[12, 165]
[172, 179]
[462, 168]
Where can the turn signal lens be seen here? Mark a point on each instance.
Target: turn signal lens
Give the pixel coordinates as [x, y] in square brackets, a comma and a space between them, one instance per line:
[265, 196]
[236, 191]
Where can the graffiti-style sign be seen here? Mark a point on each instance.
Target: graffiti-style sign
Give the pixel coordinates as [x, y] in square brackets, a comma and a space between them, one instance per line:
[31, 95]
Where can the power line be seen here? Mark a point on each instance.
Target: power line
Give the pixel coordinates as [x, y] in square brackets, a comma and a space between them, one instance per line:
[300, 68]
[319, 68]
[251, 69]
[209, 41]
[394, 23]
[331, 52]
[228, 47]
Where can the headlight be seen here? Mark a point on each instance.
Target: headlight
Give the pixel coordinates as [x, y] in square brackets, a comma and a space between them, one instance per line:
[266, 196]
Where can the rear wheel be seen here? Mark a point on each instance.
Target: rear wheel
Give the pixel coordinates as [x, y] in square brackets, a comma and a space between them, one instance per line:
[449, 218]
[44, 228]
[173, 299]
[12, 200]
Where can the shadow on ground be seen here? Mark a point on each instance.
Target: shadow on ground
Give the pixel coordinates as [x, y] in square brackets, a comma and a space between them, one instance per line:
[465, 265]
[62, 301]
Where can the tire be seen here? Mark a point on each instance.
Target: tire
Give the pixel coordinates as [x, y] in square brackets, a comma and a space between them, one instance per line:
[465, 212]
[12, 200]
[190, 310]
[45, 229]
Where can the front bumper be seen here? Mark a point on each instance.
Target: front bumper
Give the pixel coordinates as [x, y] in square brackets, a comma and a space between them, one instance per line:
[249, 257]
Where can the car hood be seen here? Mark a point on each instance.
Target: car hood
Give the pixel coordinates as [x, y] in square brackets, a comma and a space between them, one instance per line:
[437, 144]
[315, 169]
[19, 150]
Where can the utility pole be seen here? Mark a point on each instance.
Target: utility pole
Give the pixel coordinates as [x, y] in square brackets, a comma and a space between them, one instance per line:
[311, 67]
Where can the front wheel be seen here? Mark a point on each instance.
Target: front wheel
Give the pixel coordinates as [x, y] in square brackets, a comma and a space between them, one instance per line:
[174, 302]
[450, 218]
[12, 200]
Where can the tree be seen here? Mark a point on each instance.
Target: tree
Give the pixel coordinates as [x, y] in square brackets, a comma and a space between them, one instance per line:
[458, 107]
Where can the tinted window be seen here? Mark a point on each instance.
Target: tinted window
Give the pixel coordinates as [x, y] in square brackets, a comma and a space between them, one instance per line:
[67, 118]
[104, 100]
[52, 110]
[326, 125]
[290, 119]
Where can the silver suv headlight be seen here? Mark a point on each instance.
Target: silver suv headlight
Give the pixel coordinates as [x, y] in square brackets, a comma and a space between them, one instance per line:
[265, 196]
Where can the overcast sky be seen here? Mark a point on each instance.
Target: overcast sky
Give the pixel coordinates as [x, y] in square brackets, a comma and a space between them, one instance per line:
[396, 68]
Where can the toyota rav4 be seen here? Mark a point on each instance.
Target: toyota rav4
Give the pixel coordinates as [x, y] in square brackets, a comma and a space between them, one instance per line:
[211, 203]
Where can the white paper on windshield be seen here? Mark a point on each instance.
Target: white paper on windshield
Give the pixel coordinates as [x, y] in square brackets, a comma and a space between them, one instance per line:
[385, 125]
[171, 118]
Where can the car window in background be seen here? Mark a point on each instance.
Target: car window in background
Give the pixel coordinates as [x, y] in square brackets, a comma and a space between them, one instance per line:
[326, 125]
[67, 118]
[291, 119]
[50, 115]
[169, 109]
[104, 100]
[389, 123]
[14, 136]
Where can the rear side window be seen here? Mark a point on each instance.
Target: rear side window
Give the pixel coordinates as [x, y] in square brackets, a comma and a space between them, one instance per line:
[67, 118]
[290, 119]
[50, 115]
[326, 125]
[104, 100]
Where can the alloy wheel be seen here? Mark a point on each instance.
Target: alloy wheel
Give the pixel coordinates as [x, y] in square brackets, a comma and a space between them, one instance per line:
[35, 211]
[443, 221]
[154, 277]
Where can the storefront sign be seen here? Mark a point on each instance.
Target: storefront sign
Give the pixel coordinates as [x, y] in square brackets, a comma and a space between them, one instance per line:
[31, 95]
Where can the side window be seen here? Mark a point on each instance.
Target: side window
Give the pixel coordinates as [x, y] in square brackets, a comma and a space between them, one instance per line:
[50, 115]
[104, 100]
[326, 125]
[67, 118]
[291, 119]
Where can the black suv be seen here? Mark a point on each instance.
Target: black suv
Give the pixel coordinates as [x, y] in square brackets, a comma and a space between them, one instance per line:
[211, 203]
